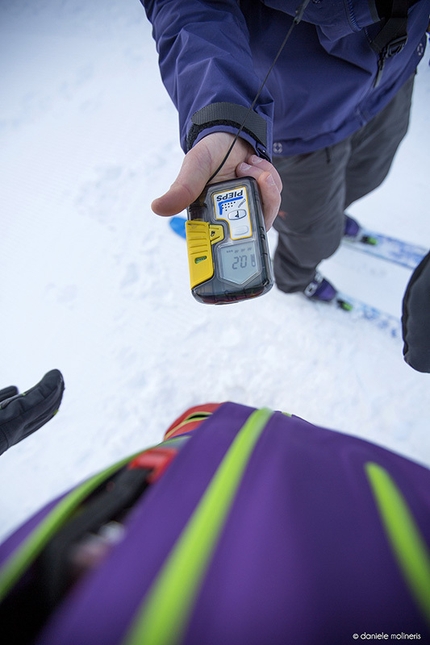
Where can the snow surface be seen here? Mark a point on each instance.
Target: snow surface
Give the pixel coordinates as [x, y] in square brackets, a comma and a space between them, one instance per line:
[95, 284]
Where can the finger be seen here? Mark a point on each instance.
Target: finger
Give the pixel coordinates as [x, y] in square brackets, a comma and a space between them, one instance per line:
[7, 392]
[269, 191]
[266, 166]
[271, 198]
[25, 413]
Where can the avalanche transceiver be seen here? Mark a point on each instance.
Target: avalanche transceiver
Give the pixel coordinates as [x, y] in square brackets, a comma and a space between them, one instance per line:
[227, 245]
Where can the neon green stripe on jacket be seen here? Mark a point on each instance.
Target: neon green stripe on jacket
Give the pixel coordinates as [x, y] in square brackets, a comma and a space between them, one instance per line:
[404, 535]
[164, 613]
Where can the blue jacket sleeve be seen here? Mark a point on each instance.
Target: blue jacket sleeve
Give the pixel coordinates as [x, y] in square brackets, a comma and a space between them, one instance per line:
[205, 56]
[205, 59]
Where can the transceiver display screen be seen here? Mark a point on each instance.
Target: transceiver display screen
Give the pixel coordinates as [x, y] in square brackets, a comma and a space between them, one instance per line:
[239, 262]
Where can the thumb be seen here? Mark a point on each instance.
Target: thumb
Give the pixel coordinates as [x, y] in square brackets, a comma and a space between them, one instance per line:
[189, 184]
[177, 198]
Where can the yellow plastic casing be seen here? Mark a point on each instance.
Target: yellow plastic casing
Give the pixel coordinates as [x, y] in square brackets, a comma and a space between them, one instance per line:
[200, 238]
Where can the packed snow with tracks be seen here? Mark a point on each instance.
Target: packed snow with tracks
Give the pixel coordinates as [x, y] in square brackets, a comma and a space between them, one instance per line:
[96, 285]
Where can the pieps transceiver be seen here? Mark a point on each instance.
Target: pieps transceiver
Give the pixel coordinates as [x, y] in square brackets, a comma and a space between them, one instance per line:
[227, 243]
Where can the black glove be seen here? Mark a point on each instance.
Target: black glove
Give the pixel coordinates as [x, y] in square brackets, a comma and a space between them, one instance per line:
[416, 318]
[23, 414]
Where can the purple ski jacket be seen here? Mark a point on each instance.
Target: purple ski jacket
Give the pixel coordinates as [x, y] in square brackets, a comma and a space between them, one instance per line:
[322, 88]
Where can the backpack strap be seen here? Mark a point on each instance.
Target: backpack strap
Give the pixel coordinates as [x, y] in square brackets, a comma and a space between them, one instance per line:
[393, 36]
[22, 558]
[55, 565]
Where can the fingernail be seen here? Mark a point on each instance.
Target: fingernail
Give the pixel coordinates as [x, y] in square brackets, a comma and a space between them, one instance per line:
[269, 180]
[244, 166]
[255, 159]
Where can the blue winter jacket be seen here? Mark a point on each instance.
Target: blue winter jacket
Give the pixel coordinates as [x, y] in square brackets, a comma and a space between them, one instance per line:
[322, 88]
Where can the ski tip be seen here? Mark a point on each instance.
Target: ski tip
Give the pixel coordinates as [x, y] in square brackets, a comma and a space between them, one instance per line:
[177, 224]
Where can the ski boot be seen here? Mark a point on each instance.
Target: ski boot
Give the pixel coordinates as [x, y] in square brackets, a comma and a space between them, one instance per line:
[352, 228]
[320, 289]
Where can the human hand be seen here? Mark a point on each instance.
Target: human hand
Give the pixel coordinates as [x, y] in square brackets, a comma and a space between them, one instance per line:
[202, 161]
[23, 414]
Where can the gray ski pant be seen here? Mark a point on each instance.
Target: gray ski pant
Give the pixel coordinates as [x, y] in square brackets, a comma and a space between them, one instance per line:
[319, 186]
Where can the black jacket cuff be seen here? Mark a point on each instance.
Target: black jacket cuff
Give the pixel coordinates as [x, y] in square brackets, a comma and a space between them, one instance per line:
[232, 115]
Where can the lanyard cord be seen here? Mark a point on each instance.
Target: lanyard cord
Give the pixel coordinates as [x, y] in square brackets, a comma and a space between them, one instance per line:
[297, 18]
